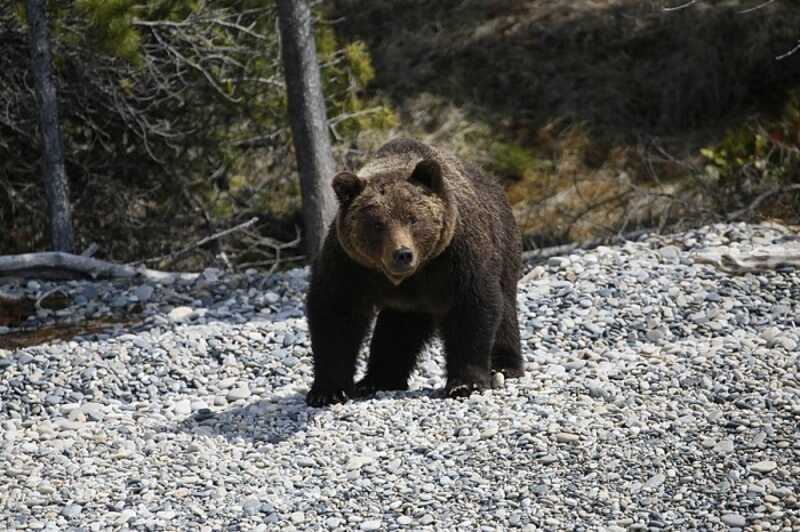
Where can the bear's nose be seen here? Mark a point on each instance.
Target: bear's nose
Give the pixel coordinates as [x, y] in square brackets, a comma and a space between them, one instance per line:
[403, 258]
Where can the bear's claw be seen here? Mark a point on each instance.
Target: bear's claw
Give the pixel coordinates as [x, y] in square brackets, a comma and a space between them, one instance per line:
[320, 398]
[463, 389]
[366, 387]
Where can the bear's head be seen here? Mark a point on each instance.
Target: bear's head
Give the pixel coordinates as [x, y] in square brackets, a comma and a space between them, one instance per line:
[395, 222]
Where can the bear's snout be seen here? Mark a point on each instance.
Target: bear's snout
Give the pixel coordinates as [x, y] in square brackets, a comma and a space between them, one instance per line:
[402, 259]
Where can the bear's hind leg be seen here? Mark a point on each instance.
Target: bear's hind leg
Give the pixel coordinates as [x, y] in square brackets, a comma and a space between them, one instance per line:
[396, 341]
[506, 353]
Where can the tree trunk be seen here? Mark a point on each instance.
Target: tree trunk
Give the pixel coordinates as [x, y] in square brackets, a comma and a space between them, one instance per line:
[55, 178]
[307, 118]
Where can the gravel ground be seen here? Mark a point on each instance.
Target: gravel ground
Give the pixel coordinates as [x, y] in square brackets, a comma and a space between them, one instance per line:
[660, 394]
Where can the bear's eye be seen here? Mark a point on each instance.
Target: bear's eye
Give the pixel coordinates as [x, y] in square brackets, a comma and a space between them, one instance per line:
[378, 225]
[412, 220]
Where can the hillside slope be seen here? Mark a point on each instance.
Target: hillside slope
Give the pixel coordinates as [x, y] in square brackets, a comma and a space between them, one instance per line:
[596, 110]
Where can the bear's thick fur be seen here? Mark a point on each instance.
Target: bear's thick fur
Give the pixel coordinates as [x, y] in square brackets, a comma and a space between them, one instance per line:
[428, 244]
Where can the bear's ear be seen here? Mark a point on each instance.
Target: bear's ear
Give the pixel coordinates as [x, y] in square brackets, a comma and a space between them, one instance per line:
[429, 174]
[347, 186]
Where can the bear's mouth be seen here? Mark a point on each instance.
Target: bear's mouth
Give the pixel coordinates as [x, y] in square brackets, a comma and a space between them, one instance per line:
[396, 277]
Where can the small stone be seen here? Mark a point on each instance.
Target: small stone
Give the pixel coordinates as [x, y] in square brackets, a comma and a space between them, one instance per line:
[765, 466]
[333, 522]
[305, 461]
[180, 314]
[166, 515]
[203, 413]
[404, 520]
[655, 481]
[251, 506]
[708, 443]
[734, 520]
[271, 297]
[670, 253]
[144, 292]
[357, 462]
[724, 446]
[565, 437]
[788, 344]
[489, 432]
[71, 510]
[94, 411]
[297, 517]
[548, 459]
[371, 525]
[182, 407]
[239, 393]
[498, 380]
[45, 489]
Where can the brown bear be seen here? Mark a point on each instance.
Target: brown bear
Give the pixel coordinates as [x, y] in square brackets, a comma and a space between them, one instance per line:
[428, 244]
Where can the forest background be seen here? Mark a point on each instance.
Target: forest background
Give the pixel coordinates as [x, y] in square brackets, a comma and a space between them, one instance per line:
[601, 117]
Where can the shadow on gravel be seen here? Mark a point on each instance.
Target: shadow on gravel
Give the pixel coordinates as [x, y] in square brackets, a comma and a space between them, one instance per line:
[278, 419]
[268, 420]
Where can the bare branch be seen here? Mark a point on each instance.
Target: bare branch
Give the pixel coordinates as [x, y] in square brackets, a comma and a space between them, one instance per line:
[790, 52]
[756, 8]
[752, 207]
[682, 6]
[171, 257]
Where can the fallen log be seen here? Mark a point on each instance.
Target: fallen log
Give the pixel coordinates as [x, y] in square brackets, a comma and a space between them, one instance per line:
[55, 265]
[757, 260]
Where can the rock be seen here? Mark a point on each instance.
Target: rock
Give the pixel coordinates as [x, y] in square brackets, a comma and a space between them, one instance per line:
[271, 297]
[370, 525]
[180, 314]
[357, 462]
[144, 292]
[404, 520]
[239, 393]
[93, 411]
[565, 437]
[203, 413]
[251, 506]
[182, 407]
[333, 522]
[71, 510]
[489, 432]
[655, 481]
[765, 466]
[724, 446]
[498, 380]
[670, 253]
[558, 262]
[734, 520]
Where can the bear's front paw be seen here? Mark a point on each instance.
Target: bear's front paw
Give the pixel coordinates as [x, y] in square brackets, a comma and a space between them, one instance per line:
[368, 386]
[463, 389]
[319, 398]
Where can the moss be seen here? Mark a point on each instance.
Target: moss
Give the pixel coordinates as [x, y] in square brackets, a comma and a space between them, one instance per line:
[512, 160]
